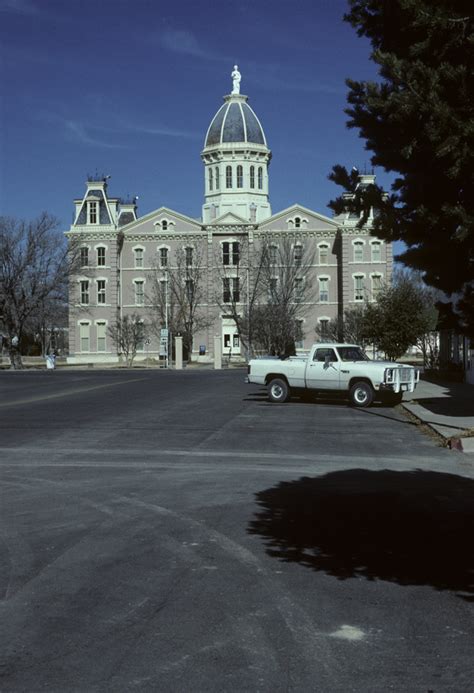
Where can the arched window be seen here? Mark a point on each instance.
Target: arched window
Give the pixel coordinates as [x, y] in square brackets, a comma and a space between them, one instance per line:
[164, 225]
[217, 178]
[211, 186]
[252, 176]
[297, 222]
[228, 176]
[260, 178]
[240, 176]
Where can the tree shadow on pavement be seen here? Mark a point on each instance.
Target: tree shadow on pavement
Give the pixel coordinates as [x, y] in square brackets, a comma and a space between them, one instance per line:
[412, 528]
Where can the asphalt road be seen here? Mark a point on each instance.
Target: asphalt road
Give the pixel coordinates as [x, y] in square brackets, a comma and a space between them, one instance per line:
[174, 531]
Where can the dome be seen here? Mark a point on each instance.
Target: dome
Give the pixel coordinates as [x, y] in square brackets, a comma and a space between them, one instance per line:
[235, 121]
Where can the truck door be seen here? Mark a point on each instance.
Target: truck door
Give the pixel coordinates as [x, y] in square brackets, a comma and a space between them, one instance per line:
[323, 372]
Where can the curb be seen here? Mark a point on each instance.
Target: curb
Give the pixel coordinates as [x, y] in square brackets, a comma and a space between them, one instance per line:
[461, 444]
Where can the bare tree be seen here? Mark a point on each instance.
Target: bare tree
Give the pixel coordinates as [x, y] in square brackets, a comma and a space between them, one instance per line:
[268, 292]
[177, 294]
[348, 328]
[128, 333]
[35, 264]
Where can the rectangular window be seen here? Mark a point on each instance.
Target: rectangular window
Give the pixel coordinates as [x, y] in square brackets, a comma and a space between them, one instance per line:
[376, 285]
[138, 257]
[298, 289]
[84, 257]
[228, 177]
[189, 290]
[163, 257]
[358, 251]
[226, 253]
[84, 331]
[376, 252]
[240, 176]
[235, 289]
[101, 334]
[272, 289]
[139, 293]
[323, 290]
[189, 257]
[100, 257]
[359, 288]
[323, 328]
[323, 254]
[252, 176]
[101, 291]
[92, 212]
[299, 336]
[235, 253]
[226, 290]
[298, 255]
[273, 254]
[85, 292]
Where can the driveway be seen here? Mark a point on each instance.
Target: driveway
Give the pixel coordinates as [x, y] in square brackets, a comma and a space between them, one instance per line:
[173, 531]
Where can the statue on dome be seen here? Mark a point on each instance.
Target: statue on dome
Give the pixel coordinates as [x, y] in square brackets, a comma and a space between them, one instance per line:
[236, 77]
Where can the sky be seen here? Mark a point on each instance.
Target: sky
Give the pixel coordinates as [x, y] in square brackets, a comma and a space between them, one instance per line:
[128, 88]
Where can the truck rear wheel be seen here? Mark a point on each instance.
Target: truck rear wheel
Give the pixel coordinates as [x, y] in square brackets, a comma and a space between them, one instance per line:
[361, 394]
[278, 390]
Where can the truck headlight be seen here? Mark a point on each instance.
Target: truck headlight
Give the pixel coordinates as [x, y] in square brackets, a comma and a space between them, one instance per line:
[389, 375]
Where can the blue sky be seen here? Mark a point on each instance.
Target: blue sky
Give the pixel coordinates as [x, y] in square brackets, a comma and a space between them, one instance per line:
[128, 89]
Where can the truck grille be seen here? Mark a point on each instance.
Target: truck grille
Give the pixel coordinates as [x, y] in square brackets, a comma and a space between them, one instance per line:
[405, 375]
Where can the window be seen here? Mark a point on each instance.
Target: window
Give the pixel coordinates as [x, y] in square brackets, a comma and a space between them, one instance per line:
[217, 178]
[211, 181]
[323, 254]
[189, 257]
[252, 176]
[138, 257]
[84, 335]
[228, 177]
[240, 177]
[189, 290]
[164, 225]
[359, 287]
[358, 251]
[298, 254]
[101, 257]
[101, 334]
[92, 212]
[297, 222]
[324, 328]
[299, 334]
[163, 257]
[231, 253]
[376, 251]
[323, 289]
[377, 282]
[85, 292]
[299, 285]
[273, 254]
[139, 293]
[231, 289]
[141, 337]
[101, 291]
[272, 289]
[325, 355]
[260, 177]
[84, 257]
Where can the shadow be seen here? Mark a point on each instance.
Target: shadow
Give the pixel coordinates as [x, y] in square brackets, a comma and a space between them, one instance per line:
[319, 397]
[448, 406]
[412, 528]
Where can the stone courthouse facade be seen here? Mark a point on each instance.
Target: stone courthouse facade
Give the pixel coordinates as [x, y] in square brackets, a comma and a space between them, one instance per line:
[120, 252]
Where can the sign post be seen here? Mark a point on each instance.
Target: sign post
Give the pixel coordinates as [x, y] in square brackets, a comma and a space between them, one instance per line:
[164, 344]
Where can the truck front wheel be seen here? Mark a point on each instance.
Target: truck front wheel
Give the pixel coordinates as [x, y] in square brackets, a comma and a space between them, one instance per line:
[361, 394]
[278, 390]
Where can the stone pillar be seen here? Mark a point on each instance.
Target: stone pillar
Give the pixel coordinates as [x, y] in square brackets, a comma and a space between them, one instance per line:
[218, 352]
[178, 346]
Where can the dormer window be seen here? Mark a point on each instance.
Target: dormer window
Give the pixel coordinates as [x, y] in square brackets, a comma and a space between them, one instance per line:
[92, 205]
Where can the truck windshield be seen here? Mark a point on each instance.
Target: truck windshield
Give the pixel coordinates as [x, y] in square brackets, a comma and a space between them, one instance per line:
[352, 354]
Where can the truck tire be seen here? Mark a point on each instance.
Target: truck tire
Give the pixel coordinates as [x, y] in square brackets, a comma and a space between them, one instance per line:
[278, 390]
[361, 394]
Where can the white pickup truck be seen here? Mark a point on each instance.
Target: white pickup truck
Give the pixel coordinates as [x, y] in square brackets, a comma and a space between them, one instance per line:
[335, 367]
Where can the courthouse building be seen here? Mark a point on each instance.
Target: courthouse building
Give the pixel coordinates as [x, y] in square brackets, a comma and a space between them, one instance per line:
[120, 250]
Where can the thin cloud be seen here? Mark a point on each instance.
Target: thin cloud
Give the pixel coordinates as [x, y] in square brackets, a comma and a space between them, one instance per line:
[185, 43]
[25, 7]
[80, 132]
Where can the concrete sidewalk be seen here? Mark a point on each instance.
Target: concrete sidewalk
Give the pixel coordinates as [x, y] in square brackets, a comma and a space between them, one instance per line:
[447, 408]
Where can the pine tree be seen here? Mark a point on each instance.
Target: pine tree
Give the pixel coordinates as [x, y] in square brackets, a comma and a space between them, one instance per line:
[418, 121]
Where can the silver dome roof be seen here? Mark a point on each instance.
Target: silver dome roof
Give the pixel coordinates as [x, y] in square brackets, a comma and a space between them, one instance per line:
[235, 121]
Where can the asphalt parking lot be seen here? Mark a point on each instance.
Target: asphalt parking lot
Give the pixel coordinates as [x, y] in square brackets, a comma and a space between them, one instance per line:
[174, 531]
